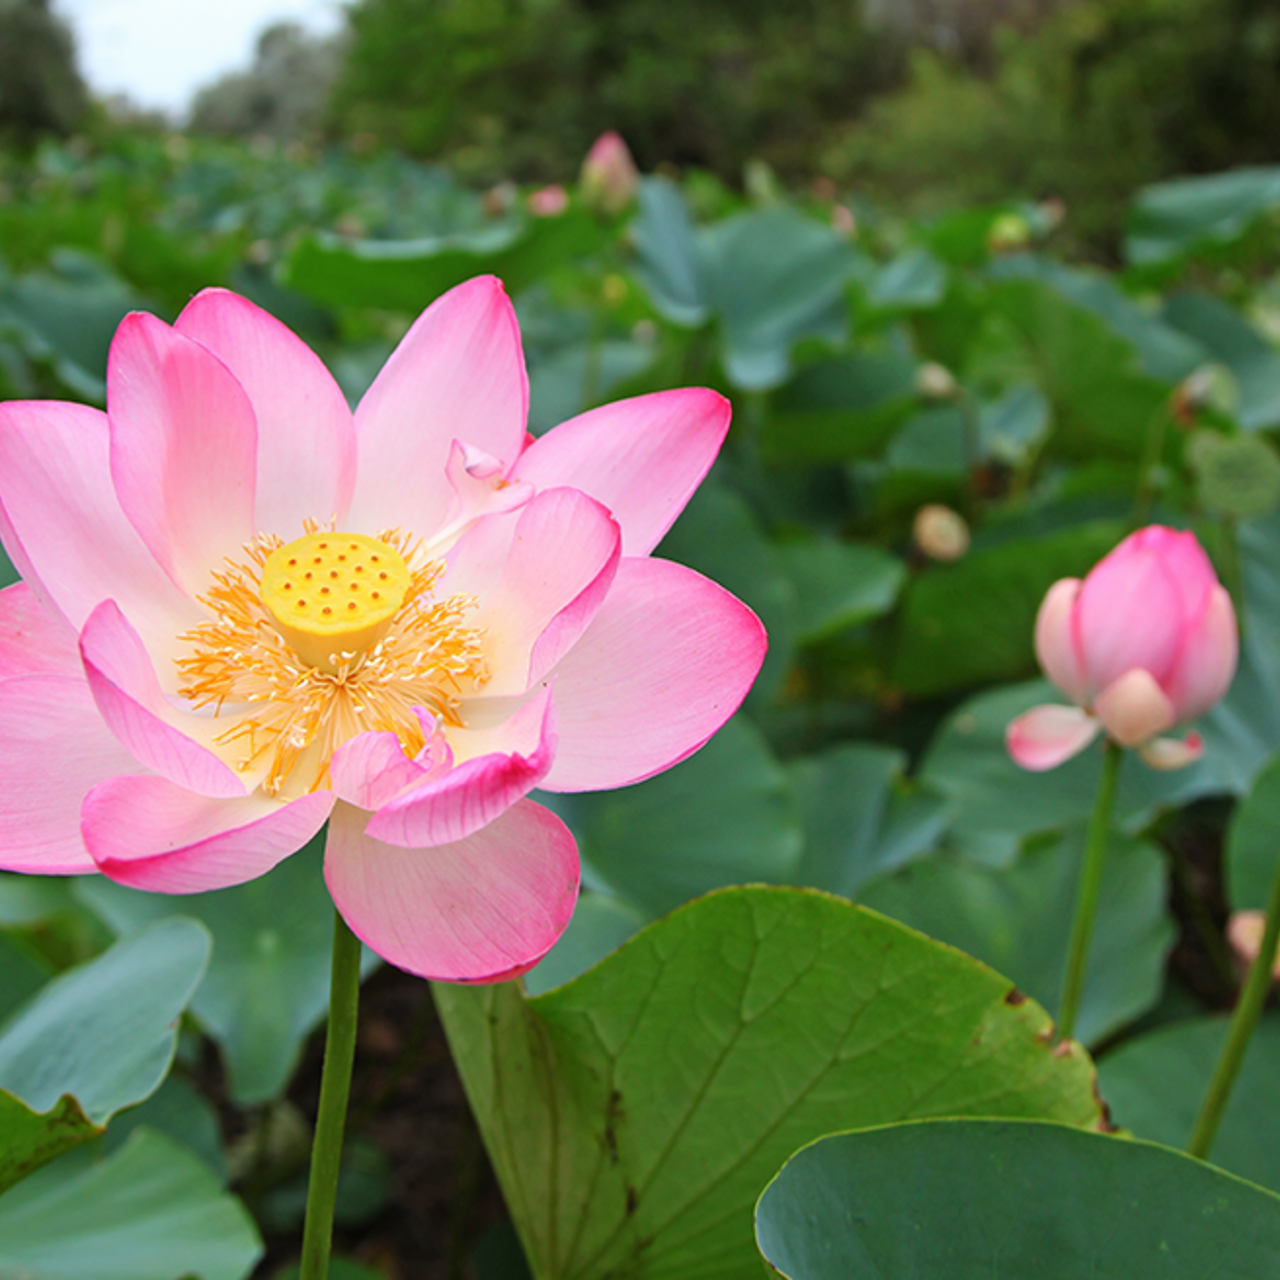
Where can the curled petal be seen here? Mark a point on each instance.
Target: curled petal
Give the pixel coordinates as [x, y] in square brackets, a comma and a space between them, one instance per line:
[1172, 753]
[54, 749]
[1056, 642]
[130, 700]
[372, 768]
[306, 434]
[453, 804]
[665, 662]
[1134, 708]
[642, 458]
[1048, 736]
[64, 527]
[540, 576]
[184, 446]
[1206, 663]
[33, 641]
[458, 374]
[149, 834]
[481, 909]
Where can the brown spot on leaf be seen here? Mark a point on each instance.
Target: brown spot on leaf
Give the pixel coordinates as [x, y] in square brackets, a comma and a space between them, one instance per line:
[1015, 997]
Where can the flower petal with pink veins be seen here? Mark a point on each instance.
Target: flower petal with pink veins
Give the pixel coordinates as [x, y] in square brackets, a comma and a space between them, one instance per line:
[1134, 708]
[458, 374]
[1050, 735]
[540, 576]
[64, 528]
[481, 909]
[665, 662]
[53, 749]
[130, 700]
[372, 768]
[1056, 641]
[1206, 663]
[184, 445]
[32, 641]
[642, 458]
[149, 834]
[306, 434]
[457, 803]
[1128, 615]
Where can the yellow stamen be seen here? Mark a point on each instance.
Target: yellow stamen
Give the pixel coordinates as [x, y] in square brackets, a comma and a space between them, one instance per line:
[294, 693]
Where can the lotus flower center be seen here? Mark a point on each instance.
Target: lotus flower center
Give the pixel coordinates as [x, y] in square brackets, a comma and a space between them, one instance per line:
[332, 596]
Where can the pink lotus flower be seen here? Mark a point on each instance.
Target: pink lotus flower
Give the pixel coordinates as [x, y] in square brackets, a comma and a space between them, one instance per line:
[609, 176]
[246, 611]
[1145, 642]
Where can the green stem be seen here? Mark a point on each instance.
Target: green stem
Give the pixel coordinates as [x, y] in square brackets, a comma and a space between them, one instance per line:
[335, 1086]
[1248, 1011]
[1090, 885]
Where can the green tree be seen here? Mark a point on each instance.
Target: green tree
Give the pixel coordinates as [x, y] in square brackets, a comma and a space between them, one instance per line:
[40, 86]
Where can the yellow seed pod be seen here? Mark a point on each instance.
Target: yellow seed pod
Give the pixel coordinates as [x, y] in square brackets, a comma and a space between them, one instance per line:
[333, 594]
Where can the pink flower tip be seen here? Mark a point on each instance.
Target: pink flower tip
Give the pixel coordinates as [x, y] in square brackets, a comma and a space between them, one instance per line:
[609, 176]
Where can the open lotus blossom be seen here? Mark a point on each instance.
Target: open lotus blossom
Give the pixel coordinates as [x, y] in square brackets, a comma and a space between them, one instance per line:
[1145, 642]
[247, 611]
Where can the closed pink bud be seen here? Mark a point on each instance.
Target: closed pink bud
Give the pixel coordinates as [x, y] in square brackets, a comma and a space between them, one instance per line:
[1146, 641]
[548, 202]
[610, 178]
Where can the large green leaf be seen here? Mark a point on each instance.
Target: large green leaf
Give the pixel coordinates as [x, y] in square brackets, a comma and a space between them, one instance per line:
[861, 818]
[1253, 842]
[725, 816]
[1172, 218]
[996, 805]
[152, 1211]
[842, 408]
[839, 584]
[774, 276]
[268, 981]
[1018, 920]
[980, 1199]
[634, 1115]
[1154, 1084]
[1232, 340]
[405, 275]
[96, 1039]
[974, 620]
[670, 265]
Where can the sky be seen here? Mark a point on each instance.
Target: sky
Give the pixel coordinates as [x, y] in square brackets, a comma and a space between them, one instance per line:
[160, 52]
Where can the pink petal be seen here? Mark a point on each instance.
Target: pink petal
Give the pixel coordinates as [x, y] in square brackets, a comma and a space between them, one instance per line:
[184, 446]
[53, 749]
[540, 576]
[1134, 708]
[482, 909]
[1055, 640]
[457, 375]
[642, 458]
[32, 640]
[1166, 754]
[372, 768]
[64, 527]
[1184, 559]
[664, 663]
[1048, 736]
[149, 834]
[132, 703]
[306, 435]
[1128, 614]
[456, 803]
[1206, 664]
